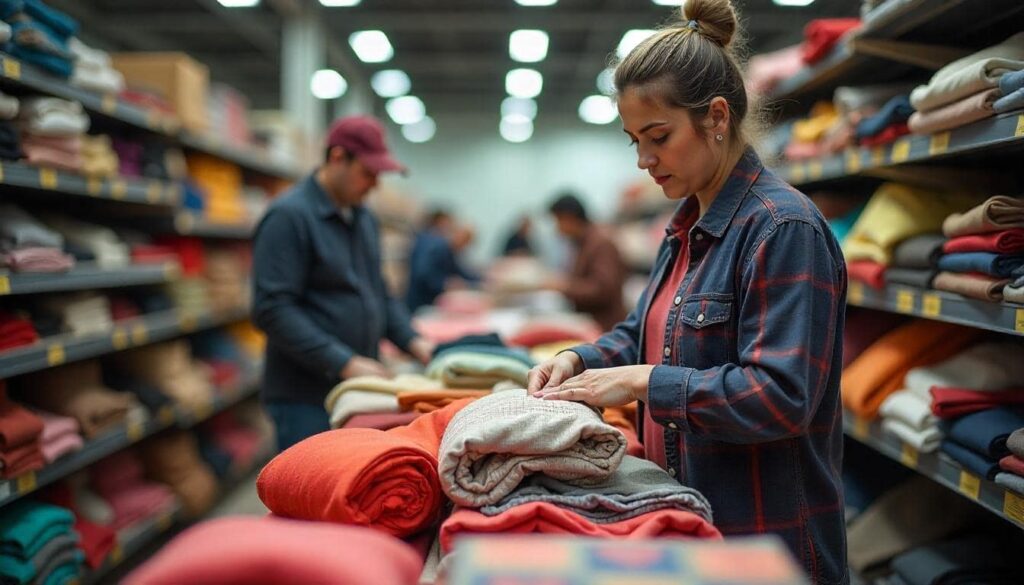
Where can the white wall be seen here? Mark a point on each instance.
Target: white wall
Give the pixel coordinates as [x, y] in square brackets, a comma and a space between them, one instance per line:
[490, 183]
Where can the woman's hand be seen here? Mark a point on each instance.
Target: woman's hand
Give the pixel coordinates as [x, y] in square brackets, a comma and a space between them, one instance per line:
[554, 371]
[603, 387]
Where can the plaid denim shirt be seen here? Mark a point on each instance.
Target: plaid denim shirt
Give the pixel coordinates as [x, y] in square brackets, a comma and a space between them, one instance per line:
[747, 388]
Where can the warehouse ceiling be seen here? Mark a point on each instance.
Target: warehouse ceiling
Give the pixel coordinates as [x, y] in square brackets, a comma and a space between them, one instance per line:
[455, 51]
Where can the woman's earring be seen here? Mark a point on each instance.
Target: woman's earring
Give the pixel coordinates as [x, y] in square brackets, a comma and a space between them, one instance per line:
[719, 137]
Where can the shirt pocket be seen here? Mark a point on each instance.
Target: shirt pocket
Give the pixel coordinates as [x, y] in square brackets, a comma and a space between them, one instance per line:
[705, 333]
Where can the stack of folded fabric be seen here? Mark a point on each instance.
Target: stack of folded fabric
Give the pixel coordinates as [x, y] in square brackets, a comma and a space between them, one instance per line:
[514, 463]
[221, 183]
[536, 333]
[479, 366]
[20, 438]
[10, 141]
[27, 245]
[60, 436]
[915, 261]
[225, 274]
[895, 214]
[823, 34]
[887, 124]
[173, 459]
[978, 441]
[227, 435]
[809, 134]
[52, 130]
[81, 313]
[77, 390]
[766, 70]
[985, 252]
[972, 558]
[91, 513]
[107, 249]
[965, 90]
[38, 544]
[1014, 292]
[98, 157]
[93, 70]
[906, 414]
[1011, 467]
[373, 395]
[16, 331]
[148, 394]
[120, 481]
[170, 367]
[1011, 86]
[873, 113]
[40, 35]
[189, 295]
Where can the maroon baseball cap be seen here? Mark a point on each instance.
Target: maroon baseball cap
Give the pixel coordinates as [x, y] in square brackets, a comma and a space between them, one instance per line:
[363, 138]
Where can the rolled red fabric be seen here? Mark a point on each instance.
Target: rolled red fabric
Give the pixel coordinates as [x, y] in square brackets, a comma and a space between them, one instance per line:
[547, 518]
[822, 34]
[1004, 242]
[1013, 464]
[382, 479]
[868, 272]
[268, 551]
[957, 402]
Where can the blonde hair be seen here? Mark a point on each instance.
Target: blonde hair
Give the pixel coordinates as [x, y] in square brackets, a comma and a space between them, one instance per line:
[687, 64]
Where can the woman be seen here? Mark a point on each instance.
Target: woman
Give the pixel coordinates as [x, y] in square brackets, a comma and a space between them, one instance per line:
[738, 335]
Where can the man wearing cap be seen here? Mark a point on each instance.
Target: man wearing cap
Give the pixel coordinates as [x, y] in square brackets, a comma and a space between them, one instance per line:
[318, 290]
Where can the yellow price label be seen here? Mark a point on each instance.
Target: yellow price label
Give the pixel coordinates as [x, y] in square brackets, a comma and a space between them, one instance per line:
[135, 431]
[12, 68]
[1, 173]
[55, 354]
[815, 170]
[1020, 126]
[861, 428]
[118, 189]
[901, 151]
[5, 285]
[939, 143]
[970, 485]
[119, 339]
[153, 191]
[931, 305]
[1018, 324]
[905, 301]
[116, 554]
[856, 292]
[1013, 507]
[878, 156]
[164, 521]
[909, 456]
[797, 173]
[48, 178]
[140, 334]
[166, 415]
[27, 482]
[853, 161]
[109, 103]
[93, 186]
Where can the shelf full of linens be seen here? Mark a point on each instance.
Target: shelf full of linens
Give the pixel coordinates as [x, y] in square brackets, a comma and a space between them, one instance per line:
[23, 76]
[127, 189]
[87, 276]
[125, 435]
[52, 351]
[940, 468]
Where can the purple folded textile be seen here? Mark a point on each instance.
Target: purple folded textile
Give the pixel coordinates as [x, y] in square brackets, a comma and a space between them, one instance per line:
[37, 260]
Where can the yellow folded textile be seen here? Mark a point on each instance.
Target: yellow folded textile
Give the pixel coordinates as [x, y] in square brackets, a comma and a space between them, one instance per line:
[393, 386]
[823, 117]
[546, 351]
[898, 212]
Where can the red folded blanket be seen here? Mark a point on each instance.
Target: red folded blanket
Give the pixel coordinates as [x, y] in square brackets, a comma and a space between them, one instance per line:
[18, 426]
[1004, 242]
[889, 134]
[381, 479]
[868, 272]
[956, 402]
[1012, 464]
[547, 518]
[822, 34]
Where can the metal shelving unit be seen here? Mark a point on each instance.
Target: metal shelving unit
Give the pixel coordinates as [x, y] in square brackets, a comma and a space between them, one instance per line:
[87, 276]
[126, 189]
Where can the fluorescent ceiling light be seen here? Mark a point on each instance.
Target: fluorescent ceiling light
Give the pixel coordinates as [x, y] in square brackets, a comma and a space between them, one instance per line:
[390, 83]
[513, 106]
[668, 2]
[371, 46]
[598, 109]
[528, 46]
[606, 81]
[631, 39]
[536, 2]
[793, 2]
[327, 84]
[340, 3]
[421, 131]
[524, 83]
[406, 109]
[238, 3]
[516, 129]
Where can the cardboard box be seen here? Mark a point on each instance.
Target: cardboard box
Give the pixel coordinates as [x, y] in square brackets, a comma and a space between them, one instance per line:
[176, 77]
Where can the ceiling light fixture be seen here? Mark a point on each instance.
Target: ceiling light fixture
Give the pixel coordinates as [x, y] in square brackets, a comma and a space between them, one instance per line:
[793, 2]
[631, 39]
[598, 109]
[524, 83]
[371, 46]
[340, 3]
[407, 109]
[513, 106]
[669, 2]
[420, 132]
[327, 84]
[390, 83]
[528, 46]
[536, 2]
[606, 81]
[238, 3]
[516, 129]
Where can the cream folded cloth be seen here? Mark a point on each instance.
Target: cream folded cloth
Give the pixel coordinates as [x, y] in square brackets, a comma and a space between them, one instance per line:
[971, 74]
[491, 445]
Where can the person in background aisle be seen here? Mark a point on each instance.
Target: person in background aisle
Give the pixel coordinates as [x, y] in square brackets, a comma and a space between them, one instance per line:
[317, 286]
[735, 349]
[518, 243]
[594, 282]
[434, 259]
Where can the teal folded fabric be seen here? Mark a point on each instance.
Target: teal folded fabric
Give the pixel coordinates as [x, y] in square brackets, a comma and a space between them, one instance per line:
[509, 352]
[26, 526]
[62, 568]
[841, 226]
[464, 369]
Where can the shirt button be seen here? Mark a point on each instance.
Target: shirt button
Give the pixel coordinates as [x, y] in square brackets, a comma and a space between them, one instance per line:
[700, 318]
[668, 351]
[672, 471]
[698, 237]
[677, 300]
[673, 426]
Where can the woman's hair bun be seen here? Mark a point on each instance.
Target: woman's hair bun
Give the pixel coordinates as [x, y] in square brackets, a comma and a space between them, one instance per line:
[716, 19]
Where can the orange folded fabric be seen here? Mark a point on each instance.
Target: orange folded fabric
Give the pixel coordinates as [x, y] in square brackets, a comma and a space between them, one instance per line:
[880, 369]
[624, 419]
[547, 518]
[381, 479]
[432, 400]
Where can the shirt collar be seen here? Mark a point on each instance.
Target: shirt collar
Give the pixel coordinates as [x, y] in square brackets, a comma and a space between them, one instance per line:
[324, 206]
[725, 205]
